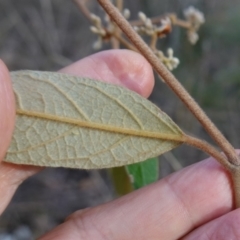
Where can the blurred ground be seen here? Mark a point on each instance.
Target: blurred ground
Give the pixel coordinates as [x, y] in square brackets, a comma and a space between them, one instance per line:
[50, 34]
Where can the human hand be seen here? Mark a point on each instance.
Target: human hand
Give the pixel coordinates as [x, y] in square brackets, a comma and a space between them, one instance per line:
[194, 203]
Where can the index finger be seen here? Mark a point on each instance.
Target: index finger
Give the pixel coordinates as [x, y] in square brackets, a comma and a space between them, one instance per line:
[167, 209]
[7, 110]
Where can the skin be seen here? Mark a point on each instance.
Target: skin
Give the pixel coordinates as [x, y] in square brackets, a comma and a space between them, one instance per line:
[194, 203]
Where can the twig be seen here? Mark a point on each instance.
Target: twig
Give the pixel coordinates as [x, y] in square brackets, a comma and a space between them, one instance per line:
[233, 169]
[157, 20]
[182, 23]
[125, 43]
[117, 31]
[114, 40]
[171, 81]
[179, 22]
[119, 5]
[206, 147]
[153, 42]
[235, 173]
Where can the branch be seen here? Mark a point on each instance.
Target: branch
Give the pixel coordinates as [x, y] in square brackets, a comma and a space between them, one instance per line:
[235, 173]
[117, 32]
[125, 43]
[171, 81]
[153, 42]
[209, 149]
[119, 4]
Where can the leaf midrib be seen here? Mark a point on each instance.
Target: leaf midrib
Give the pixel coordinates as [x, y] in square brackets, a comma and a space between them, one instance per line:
[103, 127]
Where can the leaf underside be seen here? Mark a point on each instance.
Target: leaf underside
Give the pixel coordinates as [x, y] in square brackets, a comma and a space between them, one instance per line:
[76, 122]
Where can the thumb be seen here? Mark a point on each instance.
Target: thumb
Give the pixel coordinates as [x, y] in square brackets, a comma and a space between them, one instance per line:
[7, 110]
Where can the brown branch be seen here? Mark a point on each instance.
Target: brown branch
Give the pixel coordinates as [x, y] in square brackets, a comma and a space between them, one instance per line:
[117, 32]
[153, 42]
[179, 22]
[233, 169]
[114, 41]
[235, 173]
[119, 5]
[182, 23]
[206, 147]
[125, 43]
[171, 81]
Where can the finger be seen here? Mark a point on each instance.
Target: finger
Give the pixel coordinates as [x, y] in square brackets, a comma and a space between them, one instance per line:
[225, 227]
[122, 67]
[7, 110]
[133, 72]
[7, 119]
[168, 209]
[10, 175]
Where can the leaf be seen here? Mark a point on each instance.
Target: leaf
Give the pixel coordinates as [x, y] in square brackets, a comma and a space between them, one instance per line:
[121, 180]
[143, 173]
[76, 122]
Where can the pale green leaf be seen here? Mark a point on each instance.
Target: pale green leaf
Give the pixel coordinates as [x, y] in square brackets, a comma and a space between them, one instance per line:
[143, 173]
[70, 121]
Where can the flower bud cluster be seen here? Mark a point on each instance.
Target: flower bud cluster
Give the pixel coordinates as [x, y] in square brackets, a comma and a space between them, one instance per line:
[104, 33]
[150, 29]
[169, 61]
[98, 29]
[196, 19]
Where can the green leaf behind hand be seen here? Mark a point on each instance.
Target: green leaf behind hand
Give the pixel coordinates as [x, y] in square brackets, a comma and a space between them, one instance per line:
[143, 173]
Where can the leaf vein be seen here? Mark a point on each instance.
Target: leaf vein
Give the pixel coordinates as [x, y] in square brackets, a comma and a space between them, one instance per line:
[118, 102]
[66, 97]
